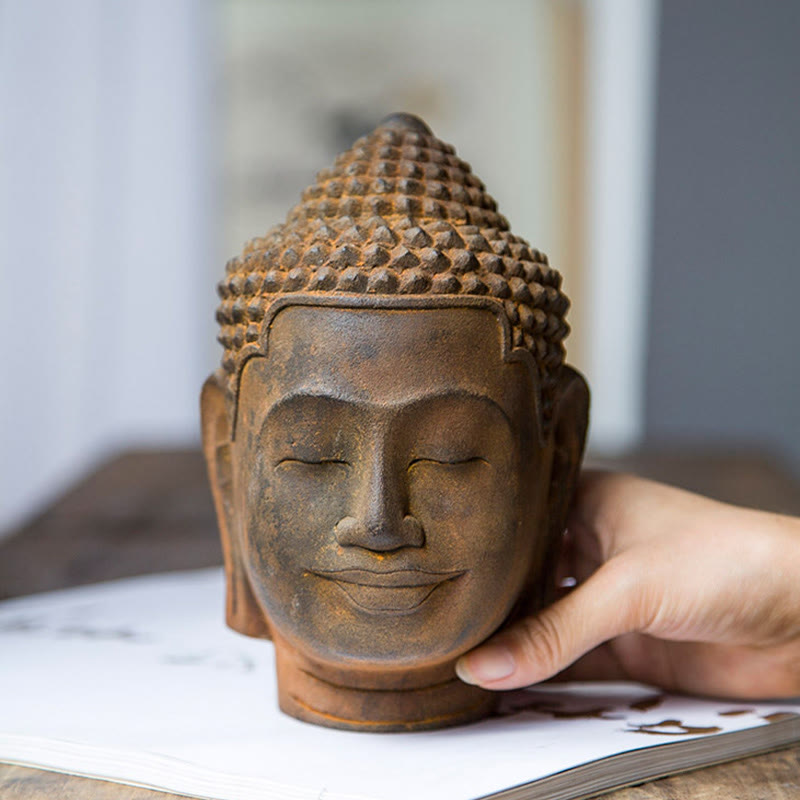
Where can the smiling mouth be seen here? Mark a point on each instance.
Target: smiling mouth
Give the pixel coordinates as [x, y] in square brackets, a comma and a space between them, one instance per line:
[388, 592]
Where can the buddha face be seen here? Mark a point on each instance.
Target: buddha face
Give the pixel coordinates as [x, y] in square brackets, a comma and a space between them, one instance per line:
[388, 481]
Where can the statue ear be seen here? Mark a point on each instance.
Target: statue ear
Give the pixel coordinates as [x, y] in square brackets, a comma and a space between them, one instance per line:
[242, 612]
[568, 429]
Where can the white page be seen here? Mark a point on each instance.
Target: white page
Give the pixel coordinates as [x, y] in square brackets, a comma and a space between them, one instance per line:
[140, 681]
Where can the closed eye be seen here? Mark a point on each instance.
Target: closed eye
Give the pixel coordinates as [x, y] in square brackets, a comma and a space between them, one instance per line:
[316, 462]
[449, 461]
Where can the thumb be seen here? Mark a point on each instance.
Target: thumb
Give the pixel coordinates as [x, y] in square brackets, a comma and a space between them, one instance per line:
[534, 649]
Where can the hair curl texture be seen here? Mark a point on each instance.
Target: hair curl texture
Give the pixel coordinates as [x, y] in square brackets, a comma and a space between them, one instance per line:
[397, 214]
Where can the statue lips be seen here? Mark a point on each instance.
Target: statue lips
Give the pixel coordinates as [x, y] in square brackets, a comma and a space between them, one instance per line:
[390, 592]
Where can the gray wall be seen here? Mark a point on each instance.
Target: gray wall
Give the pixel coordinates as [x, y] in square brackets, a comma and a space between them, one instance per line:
[724, 324]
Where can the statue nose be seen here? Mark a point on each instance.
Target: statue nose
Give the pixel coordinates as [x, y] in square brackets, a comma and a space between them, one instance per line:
[381, 538]
[379, 520]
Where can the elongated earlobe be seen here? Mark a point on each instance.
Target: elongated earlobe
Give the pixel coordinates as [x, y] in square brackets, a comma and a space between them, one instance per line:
[570, 424]
[242, 611]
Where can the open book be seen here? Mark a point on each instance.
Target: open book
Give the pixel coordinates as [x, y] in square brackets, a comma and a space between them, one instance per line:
[138, 681]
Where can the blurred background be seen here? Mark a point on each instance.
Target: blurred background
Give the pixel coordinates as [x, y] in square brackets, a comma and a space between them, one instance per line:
[650, 148]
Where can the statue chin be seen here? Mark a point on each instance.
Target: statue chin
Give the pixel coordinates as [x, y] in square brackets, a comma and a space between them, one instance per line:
[376, 701]
[393, 439]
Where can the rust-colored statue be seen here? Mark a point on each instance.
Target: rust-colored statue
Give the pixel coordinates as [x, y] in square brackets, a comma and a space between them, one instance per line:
[393, 437]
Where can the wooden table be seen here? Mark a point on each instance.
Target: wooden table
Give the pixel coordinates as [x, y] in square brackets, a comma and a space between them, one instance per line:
[151, 511]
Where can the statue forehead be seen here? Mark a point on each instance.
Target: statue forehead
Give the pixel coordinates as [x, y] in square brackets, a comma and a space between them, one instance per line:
[384, 356]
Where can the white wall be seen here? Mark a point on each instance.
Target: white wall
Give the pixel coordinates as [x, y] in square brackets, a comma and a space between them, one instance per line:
[622, 43]
[106, 249]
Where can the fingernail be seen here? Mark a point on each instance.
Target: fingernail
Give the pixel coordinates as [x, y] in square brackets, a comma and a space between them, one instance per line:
[491, 663]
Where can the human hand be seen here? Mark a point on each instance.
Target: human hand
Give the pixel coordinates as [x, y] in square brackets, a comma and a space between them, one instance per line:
[673, 589]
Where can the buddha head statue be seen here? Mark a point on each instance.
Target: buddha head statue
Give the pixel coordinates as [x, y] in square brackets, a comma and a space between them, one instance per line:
[393, 437]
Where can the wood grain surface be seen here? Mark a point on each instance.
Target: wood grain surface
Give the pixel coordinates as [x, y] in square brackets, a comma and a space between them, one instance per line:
[148, 512]
[23, 783]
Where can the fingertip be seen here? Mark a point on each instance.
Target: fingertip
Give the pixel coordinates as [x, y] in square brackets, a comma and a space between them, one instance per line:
[486, 665]
[463, 673]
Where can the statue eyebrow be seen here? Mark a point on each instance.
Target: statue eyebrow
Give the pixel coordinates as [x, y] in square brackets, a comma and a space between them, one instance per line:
[423, 399]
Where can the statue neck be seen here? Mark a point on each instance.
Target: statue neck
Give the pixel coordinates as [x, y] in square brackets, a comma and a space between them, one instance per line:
[378, 702]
